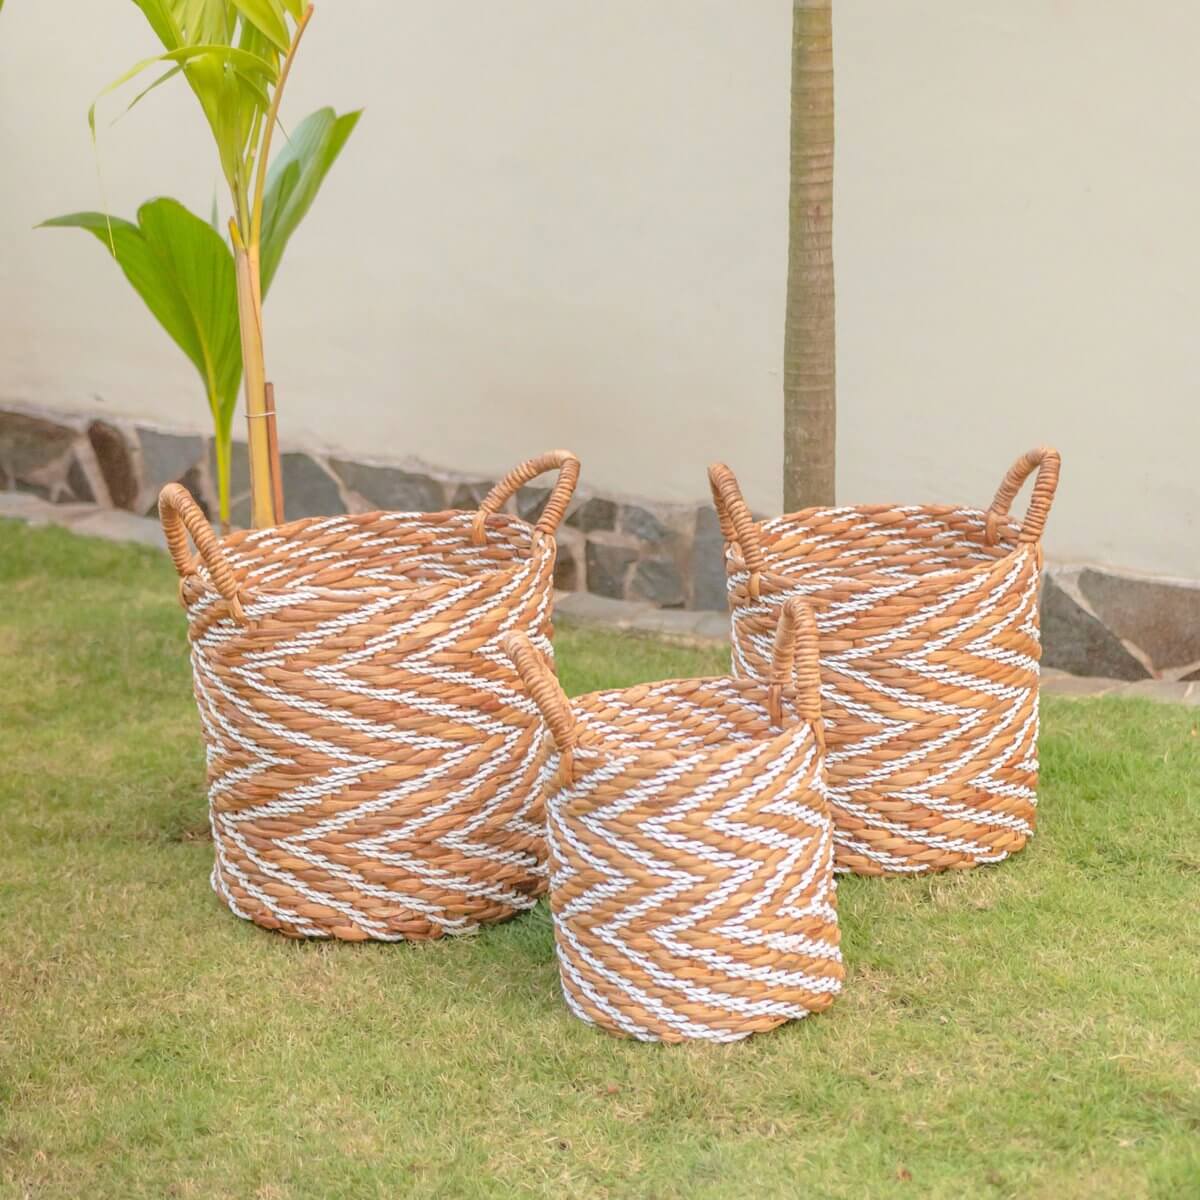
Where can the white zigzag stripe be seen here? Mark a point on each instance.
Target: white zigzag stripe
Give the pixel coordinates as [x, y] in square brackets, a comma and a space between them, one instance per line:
[979, 745]
[397, 718]
[697, 859]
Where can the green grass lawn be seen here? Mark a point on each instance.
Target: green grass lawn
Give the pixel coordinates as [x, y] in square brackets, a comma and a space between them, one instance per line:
[1029, 1030]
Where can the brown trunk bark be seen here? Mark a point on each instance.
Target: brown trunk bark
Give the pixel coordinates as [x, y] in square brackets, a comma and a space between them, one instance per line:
[809, 402]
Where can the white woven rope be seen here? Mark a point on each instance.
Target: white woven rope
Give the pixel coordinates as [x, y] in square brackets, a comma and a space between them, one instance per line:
[260, 728]
[743, 858]
[986, 744]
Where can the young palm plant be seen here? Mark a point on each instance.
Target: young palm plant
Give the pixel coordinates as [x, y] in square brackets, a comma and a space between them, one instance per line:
[236, 56]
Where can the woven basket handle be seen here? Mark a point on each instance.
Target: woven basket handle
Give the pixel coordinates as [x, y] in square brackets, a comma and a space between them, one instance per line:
[542, 684]
[796, 663]
[180, 516]
[737, 525]
[562, 461]
[1047, 462]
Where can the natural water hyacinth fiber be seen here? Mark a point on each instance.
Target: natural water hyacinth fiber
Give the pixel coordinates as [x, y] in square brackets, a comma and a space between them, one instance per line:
[369, 775]
[691, 848]
[929, 643]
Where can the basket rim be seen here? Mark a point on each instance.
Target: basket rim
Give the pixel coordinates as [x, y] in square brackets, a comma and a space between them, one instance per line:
[590, 741]
[1009, 530]
[200, 575]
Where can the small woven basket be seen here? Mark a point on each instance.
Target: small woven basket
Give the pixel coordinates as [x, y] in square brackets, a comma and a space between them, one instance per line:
[368, 775]
[691, 848]
[929, 642]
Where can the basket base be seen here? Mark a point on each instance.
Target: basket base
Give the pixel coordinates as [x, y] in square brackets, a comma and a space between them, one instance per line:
[320, 921]
[637, 1030]
[919, 861]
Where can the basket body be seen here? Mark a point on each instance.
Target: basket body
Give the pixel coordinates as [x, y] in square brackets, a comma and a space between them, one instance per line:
[368, 773]
[691, 863]
[929, 661]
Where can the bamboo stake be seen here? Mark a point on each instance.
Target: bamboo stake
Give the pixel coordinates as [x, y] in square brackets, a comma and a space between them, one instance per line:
[273, 445]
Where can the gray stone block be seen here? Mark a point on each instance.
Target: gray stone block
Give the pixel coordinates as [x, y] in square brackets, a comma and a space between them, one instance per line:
[240, 514]
[594, 514]
[568, 569]
[708, 563]
[41, 490]
[78, 482]
[1160, 617]
[390, 488]
[167, 458]
[659, 581]
[115, 460]
[239, 469]
[308, 489]
[28, 444]
[642, 524]
[607, 568]
[239, 482]
[1073, 640]
[468, 496]
[531, 502]
[194, 481]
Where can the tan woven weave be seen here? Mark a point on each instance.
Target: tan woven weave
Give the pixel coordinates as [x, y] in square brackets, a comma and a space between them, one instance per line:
[369, 776]
[928, 621]
[691, 848]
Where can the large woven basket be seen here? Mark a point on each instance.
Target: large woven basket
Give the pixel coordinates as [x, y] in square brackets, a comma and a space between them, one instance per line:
[928, 619]
[691, 848]
[368, 776]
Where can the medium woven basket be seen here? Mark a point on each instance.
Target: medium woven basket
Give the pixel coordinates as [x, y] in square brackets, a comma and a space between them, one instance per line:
[691, 848]
[368, 775]
[928, 621]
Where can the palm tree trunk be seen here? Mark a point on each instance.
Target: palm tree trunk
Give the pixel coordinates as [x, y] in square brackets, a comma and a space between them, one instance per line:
[809, 402]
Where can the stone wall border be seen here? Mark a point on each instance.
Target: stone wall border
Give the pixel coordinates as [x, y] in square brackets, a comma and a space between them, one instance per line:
[1097, 620]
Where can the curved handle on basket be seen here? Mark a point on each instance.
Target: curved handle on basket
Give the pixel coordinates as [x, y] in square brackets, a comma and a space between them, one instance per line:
[567, 466]
[796, 663]
[180, 516]
[542, 684]
[737, 524]
[1047, 461]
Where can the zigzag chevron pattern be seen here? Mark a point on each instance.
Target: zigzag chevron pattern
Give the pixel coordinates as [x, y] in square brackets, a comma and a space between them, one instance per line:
[691, 864]
[372, 760]
[929, 664]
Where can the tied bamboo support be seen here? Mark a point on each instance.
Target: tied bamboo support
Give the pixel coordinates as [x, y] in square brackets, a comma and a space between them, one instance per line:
[371, 772]
[928, 620]
[691, 847]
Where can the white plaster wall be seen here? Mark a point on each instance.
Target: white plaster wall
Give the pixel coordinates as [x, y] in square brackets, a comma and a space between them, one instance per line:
[1019, 260]
[564, 223]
